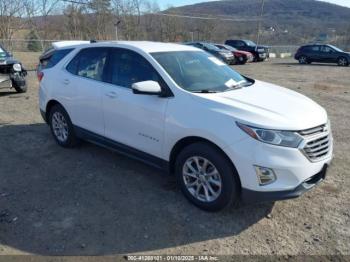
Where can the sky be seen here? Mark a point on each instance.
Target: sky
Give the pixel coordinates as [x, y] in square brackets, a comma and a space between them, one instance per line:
[166, 3]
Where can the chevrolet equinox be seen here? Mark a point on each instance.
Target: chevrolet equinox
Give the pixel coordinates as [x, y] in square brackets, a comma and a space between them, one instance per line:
[225, 136]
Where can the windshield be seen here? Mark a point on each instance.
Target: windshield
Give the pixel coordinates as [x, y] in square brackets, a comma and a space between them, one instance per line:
[229, 48]
[250, 43]
[197, 71]
[211, 47]
[336, 48]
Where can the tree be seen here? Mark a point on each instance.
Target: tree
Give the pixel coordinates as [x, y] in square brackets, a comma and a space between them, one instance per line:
[33, 42]
[101, 12]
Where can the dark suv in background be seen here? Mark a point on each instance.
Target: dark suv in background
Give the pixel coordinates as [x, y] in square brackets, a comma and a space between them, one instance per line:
[259, 52]
[223, 55]
[322, 53]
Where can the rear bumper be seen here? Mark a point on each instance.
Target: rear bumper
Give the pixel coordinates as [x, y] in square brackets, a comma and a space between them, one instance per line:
[251, 196]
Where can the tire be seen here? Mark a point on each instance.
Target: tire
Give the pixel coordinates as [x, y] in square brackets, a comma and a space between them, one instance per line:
[343, 61]
[303, 60]
[242, 61]
[20, 89]
[61, 127]
[189, 178]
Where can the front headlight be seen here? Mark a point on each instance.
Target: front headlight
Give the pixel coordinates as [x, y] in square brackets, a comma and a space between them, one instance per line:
[274, 137]
[17, 67]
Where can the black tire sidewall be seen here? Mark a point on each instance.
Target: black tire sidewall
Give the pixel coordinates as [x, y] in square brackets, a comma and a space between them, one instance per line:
[71, 140]
[229, 176]
[20, 89]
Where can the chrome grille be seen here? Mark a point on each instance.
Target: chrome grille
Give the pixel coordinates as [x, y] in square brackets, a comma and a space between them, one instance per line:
[313, 131]
[317, 144]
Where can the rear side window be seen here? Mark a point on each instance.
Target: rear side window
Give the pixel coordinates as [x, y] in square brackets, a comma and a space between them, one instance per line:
[52, 58]
[128, 67]
[315, 48]
[89, 63]
[58, 56]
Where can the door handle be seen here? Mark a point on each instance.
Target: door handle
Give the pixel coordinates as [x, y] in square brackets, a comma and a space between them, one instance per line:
[66, 81]
[112, 94]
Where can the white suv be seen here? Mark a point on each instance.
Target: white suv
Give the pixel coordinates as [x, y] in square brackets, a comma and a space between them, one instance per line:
[226, 137]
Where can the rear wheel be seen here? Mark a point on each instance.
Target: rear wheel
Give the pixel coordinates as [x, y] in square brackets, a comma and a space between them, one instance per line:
[61, 127]
[343, 61]
[303, 60]
[206, 177]
[241, 60]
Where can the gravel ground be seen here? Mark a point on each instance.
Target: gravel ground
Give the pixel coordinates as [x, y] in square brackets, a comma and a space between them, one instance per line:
[91, 201]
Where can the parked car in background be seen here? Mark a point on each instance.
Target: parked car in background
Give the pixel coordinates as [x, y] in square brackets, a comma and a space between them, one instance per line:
[241, 57]
[222, 54]
[12, 73]
[259, 52]
[322, 53]
[224, 136]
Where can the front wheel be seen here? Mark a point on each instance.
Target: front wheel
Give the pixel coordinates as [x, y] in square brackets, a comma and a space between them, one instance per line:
[20, 88]
[206, 177]
[342, 61]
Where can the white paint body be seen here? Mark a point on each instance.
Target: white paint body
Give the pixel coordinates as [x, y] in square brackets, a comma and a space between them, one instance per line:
[119, 114]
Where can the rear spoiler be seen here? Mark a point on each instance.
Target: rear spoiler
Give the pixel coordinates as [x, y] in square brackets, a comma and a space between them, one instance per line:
[61, 44]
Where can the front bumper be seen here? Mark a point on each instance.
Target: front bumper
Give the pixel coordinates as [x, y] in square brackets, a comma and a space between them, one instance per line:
[251, 196]
[291, 167]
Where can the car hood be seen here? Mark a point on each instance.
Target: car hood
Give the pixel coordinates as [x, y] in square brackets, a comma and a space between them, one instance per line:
[268, 106]
[243, 52]
[8, 61]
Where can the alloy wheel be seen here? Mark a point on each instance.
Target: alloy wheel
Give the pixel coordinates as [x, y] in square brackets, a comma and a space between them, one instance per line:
[302, 60]
[60, 126]
[342, 62]
[202, 179]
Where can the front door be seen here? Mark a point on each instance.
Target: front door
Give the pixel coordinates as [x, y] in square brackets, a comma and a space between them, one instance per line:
[132, 119]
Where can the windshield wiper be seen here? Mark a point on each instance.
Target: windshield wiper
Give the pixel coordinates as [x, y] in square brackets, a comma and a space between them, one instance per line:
[204, 91]
[238, 86]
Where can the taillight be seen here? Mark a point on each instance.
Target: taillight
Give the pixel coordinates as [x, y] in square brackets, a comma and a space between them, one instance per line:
[40, 76]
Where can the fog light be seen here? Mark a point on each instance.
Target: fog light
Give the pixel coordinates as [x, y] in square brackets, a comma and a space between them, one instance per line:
[265, 175]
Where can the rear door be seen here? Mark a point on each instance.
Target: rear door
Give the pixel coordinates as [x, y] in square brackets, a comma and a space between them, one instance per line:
[83, 81]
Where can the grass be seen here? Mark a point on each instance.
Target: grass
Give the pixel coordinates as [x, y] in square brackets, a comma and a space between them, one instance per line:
[29, 59]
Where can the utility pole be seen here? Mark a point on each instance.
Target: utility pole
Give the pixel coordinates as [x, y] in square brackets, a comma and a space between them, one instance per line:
[116, 29]
[259, 21]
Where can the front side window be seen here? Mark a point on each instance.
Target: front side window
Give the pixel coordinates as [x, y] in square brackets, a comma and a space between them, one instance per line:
[128, 67]
[89, 63]
[198, 71]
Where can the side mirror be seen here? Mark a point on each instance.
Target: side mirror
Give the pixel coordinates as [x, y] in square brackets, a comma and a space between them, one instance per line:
[10, 54]
[146, 88]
